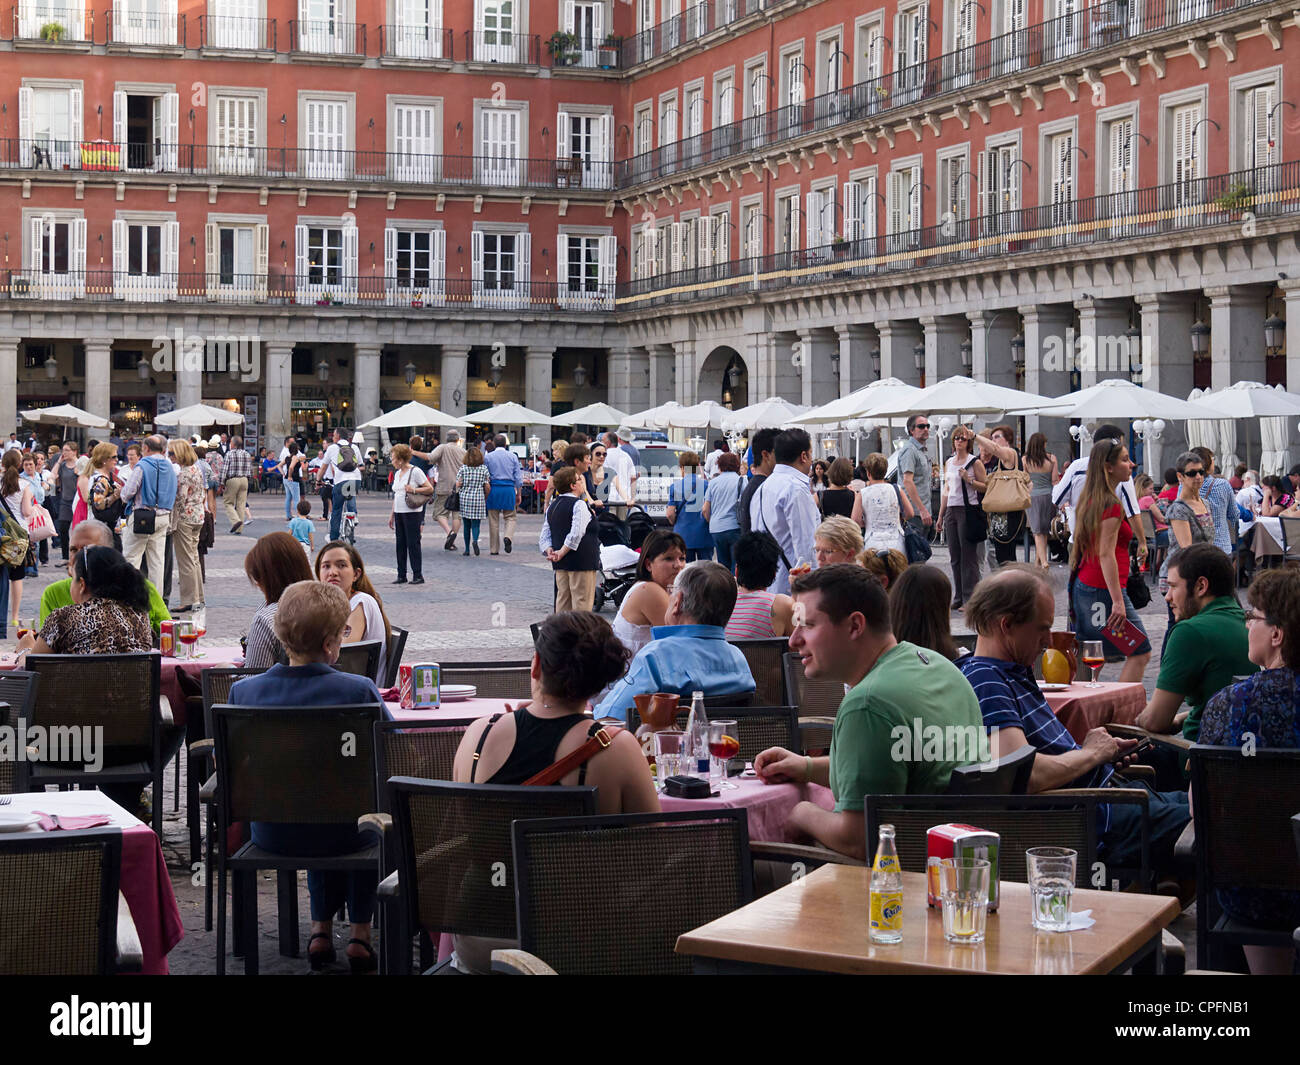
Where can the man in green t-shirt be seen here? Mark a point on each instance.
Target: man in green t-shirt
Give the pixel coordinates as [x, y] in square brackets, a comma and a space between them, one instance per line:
[92, 533]
[909, 719]
[1207, 647]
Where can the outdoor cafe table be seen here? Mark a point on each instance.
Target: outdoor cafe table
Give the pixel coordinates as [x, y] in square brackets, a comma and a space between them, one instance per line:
[819, 924]
[145, 884]
[1080, 708]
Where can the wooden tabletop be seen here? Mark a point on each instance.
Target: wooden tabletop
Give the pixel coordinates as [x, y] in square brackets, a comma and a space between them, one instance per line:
[820, 923]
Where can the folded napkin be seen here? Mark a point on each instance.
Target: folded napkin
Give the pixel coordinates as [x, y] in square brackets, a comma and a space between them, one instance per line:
[391, 695]
[1082, 919]
[72, 823]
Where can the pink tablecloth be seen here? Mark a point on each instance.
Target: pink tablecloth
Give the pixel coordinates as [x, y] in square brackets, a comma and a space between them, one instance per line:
[213, 658]
[1080, 708]
[769, 805]
[145, 883]
[452, 711]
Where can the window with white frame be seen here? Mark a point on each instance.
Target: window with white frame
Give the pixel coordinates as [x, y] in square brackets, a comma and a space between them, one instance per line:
[1066, 28]
[237, 132]
[326, 132]
[751, 229]
[56, 256]
[415, 264]
[911, 52]
[868, 48]
[237, 255]
[788, 220]
[645, 21]
[672, 27]
[1060, 176]
[499, 32]
[146, 254]
[828, 78]
[588, 263]
[415, 130]
[904, 196]
[144, 22]
[34, 14]
[1010, 18]
[1000, 176]
[961, 42]
[1184, 136]
[417, 29]
[1257, 126]
[669, 113]
[146, 127]
[501, 267]
[720, 226]
[859, 205]
[49, 126]
[694, 111]
[585, 19]
[325, 27]
[589, 139]
[235, 24]
[819, 217]
[499, 145]
[952, 192]
[682, 245]
[756, 89]
[794, 91]
[643, 130]
[326, 258]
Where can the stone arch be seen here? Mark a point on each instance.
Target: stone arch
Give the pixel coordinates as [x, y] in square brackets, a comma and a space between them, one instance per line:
[714, 382]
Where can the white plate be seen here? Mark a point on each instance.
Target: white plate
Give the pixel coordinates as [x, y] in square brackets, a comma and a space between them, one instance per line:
[17, 821]
[457, 691]
[1044, 686]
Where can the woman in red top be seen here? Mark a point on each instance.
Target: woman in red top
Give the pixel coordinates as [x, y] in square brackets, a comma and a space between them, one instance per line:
[1099, 552]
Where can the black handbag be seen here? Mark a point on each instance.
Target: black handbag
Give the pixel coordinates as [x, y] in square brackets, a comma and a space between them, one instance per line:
[144, 520]
[1139, 592]
[916, 545]
[453, 500]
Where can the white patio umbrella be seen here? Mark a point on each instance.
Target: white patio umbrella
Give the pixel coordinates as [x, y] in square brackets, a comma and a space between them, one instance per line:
[858, 404]
[964, 395]
[591, 414]
[1247, 399]
[65, 414]
[510, 414]
[414, 413]
[1115, 398]
[771, 413]
[702, 415]
[1202, 431]
[200, 414]
[649, 419]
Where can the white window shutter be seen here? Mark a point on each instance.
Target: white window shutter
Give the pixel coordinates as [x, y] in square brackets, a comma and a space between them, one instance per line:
[563, 131]
[811, 219]
[350, 259]
[476, 263]
[922, 32]
[850, 208]
[570, 17]
[301, 263]
[794, 223]
[914, 205]
[171, 104]
[212, 258]
[261, 259]
[606, 155]
[119, 124]
[562, 265]
[702, 249]
[675, 238]
[37, 259]
[390, 261]
[26, 102]
[868, 226]
[1262, 101]
[598, 25]
[896, 194]
[1118, 171]
[438, 264]
[77, 256]
[608, 269]
[524, 266]
[76, 120]
[171, 241]
[119, 255]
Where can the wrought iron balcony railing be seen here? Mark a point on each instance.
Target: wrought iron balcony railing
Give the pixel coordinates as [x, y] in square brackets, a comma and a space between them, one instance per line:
[36, 22]
[237, 34]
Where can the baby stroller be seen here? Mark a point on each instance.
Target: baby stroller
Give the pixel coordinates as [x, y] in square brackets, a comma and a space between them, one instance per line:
[620, 541]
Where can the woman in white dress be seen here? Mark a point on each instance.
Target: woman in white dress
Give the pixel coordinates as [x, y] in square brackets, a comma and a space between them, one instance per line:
[663, 556]
[881, 508]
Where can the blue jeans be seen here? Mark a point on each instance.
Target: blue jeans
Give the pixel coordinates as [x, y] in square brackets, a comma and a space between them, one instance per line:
[471, 531]
[292, 493]
[1090, 603]
[336, 511]
[724, 541]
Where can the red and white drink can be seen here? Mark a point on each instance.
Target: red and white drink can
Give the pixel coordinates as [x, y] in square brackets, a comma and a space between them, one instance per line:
[167, 638]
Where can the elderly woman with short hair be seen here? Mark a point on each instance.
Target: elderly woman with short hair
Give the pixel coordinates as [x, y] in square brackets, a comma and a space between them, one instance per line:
[309, 624]
[838, 539]
[408, 481]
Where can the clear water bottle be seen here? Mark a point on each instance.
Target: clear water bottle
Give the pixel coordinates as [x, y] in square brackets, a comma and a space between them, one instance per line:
[886, 891]
[697, 738]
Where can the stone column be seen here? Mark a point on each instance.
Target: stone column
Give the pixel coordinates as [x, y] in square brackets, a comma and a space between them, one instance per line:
[1103, 347]
[686, 387]
[537, 386]
[455, 379]
[761, 357]
[1166, 324]
[856, 370]
[9, 384]
[990, 335]
[817, 383]
[1291, 294]
[786, 374]
[1237, 316]
[365, 389]
[629, 379]
[663, 374]
[99, 371]
[943, 337]
[1049, 340]
[897, 340]
[277, 416]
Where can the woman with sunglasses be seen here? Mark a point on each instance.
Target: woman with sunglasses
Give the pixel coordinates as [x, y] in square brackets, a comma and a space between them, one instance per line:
[1189, 518]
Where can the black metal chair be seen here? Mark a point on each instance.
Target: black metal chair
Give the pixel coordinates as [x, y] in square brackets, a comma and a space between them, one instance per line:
[17, 694]
[766, 661]
[118, 694]
[656, 876]
[815, 697]
[453, 843]
[757, 727]
[396, 645]
[13, 770]
[1005, 776]
[60, 910]
[498, 681]
[361, 659]
[1242, 810]
[288, 765]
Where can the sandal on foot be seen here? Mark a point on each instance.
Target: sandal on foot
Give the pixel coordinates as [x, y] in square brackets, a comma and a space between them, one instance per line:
[367, 964]
[320, 958]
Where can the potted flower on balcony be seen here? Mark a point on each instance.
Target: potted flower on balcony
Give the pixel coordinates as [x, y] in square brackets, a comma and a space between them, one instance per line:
[53, 31]
[417, 299]
[610, 50]
[840, 247]
[563, 48]
[1238, 196]
[326, 299]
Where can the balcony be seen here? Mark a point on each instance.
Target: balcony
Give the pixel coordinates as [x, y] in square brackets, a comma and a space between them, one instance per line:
[39, 22]
[943, 75]
[695, 22]
[317, 288]
[416, 42]
[144, 26]
[1155, 211]
[327, 37]
[585, 52]
[237, 34]
[503, 46]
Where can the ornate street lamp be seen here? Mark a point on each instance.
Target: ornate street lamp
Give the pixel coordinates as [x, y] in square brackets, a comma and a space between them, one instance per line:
[51, 367]
[141, 369]
[967, 348]
[1274, 331]
[408, 371]
[1018, 350]
[579, 375]
[1200, 334]
[918, 355]
[323, 371]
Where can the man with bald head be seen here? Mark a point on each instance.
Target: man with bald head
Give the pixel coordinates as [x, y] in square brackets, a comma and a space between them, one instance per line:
[91, 533]
[1012, 612]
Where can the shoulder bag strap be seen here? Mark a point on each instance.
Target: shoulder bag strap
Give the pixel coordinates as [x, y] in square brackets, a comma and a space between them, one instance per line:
[473, 768]
[780, 550]
[598, 738]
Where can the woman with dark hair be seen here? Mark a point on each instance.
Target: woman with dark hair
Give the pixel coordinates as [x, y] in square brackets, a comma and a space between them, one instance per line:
[275, 562]
[758, 613]
[291, 475]
[817, 480]
[838, 499]
[663, 556]
[1043, 473]
[339, 563]
[576, 655]
[1005, 530]
[1276, 497]
[918, 609]
[721, 499]
[109, 612]
[18, 501]
[1266, 705]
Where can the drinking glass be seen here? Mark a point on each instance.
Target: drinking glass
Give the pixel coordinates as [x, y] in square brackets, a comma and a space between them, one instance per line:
[1094, 657]
[1051, 883]
[964, 894]
[24, 627]
[668, 754]
[185, 639]
[199, 618]
[724, 745]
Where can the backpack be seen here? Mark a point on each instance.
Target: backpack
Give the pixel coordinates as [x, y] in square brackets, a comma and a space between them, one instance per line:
[14, 541]
[347, 460]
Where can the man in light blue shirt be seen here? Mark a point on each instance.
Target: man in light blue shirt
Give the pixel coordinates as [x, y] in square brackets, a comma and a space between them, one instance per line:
[506, 487]
[1221, 499]
[689, 652]
[784, 505]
